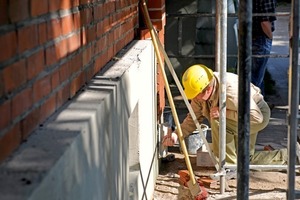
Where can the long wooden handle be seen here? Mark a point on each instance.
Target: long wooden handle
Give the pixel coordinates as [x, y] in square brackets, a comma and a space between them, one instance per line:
[167, 87]
[157, 44]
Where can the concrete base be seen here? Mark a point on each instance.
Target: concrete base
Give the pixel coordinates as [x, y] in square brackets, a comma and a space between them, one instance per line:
[101, 145]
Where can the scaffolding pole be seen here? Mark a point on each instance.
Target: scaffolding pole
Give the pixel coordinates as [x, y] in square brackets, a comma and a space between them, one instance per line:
[293, 100]
[244, 72]
[264, 167]
[221, 66]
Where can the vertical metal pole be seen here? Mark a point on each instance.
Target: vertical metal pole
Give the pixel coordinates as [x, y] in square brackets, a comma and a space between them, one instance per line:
[293, 98]
[244, 72]
[179, 30]
[221, 66]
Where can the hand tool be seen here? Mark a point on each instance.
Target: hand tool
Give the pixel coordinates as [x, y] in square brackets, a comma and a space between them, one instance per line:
[197, 192]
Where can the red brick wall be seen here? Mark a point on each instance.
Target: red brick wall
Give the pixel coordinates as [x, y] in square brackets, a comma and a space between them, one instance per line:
[49, 49]
[157, 14]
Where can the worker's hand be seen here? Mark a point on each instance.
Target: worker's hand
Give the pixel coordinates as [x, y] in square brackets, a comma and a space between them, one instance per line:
[214, 112]
[170, 139]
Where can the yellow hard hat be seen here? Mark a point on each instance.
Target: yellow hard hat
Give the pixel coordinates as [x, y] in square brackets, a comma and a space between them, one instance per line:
[195, 79]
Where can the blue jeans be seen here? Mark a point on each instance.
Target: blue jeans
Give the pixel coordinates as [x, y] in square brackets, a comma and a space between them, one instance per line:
[261, 45]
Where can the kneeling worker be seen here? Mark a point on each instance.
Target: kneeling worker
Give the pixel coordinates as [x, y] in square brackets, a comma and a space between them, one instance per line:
[201, 85]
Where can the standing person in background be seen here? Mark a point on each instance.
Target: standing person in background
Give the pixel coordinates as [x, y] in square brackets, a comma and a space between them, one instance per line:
[262, 35]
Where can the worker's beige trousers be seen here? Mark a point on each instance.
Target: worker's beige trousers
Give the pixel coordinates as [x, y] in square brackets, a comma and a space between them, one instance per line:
[256, 157]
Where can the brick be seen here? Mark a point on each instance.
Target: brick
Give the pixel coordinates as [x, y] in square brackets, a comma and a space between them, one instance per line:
[54, 29]
[64, 72]
[54, 5]
[63, 95]
[61, 49]
[144, 34]
[18, 10]
[89, 71]
[86, 56]
[118, 32]
[91, 36]
[208, 182]
[73, 43]
[50, 53]
[30, 122]
[47, 108]
[42, 33]
[14, 75]
[111, 39]
[66, 4]
[119, 45]
[76, 84]
[76, 63]
[109, 7]
[106, 25]
[10, 141]
[121, 4]
[84, 1]
[76, 21]
[5, 110]
[41, 88]
[130, 36]
[8, 47]
[99, 29]
[38, 7]
[67, 24]
[101, 44]
[110, 53]
[75, 3]
[35, 64]
[98, 12]
[159, 24]
[86, 16]
[55, 82]
[21, 102]
[2, 89]
[4, 13]
[157, 14]
[27, 38]
[156, 3]
[113, 22]
[99, 62]
[160, 91]
[161, 36]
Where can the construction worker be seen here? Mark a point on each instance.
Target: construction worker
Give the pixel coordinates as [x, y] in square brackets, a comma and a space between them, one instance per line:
[201, 86]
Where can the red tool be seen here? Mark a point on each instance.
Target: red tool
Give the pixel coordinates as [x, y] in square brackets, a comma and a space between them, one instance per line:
[192, 184]
[198, 191]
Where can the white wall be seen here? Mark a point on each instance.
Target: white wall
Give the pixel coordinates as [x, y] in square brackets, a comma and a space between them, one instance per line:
[102, 145]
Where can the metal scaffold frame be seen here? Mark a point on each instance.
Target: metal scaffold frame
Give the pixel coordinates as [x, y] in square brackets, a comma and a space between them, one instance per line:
[293, 111]
[244, 58]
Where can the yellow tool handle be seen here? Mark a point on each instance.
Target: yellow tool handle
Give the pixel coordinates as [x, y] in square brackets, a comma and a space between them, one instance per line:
[172, 71]
[169, 95]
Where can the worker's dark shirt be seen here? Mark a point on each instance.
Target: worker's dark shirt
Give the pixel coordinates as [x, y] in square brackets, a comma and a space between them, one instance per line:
[262, 6]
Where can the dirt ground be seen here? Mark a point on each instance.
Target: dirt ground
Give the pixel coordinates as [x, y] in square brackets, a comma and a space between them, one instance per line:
[270, 185]
[262, 184]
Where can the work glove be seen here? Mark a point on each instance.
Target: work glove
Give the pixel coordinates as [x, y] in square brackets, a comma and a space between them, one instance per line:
[170, 139]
